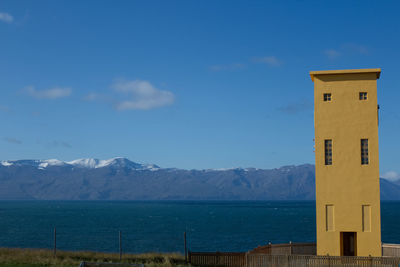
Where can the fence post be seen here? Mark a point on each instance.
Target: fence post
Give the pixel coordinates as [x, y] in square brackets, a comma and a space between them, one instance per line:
[184, 241]
[55, 242]
[190, 256]
[120, 246]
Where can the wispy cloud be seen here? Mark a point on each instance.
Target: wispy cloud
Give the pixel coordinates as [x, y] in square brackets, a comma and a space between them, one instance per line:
[391, 176]
[105, 98]
[229, 67]
[60, 144]
[295, 108]
[269, 60]
[346, 49]
[52, 93]
[332, 53]
[141, 95]
[355, 48]
[12, 140]
[50, 144]
[92, 97]
[5, 17]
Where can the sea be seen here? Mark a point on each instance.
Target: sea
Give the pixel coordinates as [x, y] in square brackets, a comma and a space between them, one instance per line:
[159, 226]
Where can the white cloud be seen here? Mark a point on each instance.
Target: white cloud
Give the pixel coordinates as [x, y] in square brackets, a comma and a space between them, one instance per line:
[346, 49]
[52, 93]
[332, 53]
[234, 66]
[270, 61]
[355, 48]
[5, 17]
[141, 95]
[391, 176]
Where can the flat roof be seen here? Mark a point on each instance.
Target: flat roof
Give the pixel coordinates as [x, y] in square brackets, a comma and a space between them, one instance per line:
[327, 72]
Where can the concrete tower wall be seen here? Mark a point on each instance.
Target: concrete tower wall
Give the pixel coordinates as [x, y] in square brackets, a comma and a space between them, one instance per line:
[347, 191]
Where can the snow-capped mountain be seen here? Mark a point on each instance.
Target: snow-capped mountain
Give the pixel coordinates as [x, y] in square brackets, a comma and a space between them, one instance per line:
[89, 163]
[32, 163]
[114, 162]
[122, 179]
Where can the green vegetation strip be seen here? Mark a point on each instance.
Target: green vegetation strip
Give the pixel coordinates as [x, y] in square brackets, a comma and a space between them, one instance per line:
[15, 257]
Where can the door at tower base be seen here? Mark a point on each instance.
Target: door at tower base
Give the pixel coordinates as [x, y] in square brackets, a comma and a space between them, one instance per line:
[348, 243]
[347, 162]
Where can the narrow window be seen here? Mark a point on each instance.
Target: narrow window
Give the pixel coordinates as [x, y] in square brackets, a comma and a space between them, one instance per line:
[330, 226]
[364, 152]
[328, 152]
[363, 96]
[327, 97]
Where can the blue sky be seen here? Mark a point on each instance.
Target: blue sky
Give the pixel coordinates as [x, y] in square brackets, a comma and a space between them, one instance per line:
[188, 84]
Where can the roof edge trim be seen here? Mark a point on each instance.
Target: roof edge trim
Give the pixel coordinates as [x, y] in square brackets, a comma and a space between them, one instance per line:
[351, 71]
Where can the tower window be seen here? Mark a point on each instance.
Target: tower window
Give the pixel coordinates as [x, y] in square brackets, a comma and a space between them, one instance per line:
[364, 152]
[363, 96]
[328, 152]
[330, 225]
[327, 97]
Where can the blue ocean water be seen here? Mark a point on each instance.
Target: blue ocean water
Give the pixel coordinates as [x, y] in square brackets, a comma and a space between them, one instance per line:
[159, 226]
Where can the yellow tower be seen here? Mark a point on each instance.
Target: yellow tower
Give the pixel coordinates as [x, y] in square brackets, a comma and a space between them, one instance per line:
[347, 162]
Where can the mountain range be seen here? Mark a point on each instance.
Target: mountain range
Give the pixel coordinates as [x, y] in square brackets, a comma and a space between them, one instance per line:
[122, 179]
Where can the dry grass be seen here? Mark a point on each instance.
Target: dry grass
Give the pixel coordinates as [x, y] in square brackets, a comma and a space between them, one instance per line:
[13, 257]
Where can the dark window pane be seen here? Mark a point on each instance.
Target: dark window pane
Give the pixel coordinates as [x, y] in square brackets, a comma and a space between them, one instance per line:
[363, 95]
[327, 97]
[328, 152]
[364, 152]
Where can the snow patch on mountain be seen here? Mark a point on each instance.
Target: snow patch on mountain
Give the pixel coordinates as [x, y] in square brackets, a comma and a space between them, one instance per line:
[105, 163]
[231, 169]
[151, 167]
[6, 163]
[85, 163]
[113, 162]
[50, 162]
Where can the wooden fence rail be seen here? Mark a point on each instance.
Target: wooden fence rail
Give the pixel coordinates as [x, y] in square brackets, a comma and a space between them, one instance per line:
[241, 259]
[228, 259]
[287, 249]
[105, 264]
[261, 260]
[391, 250]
